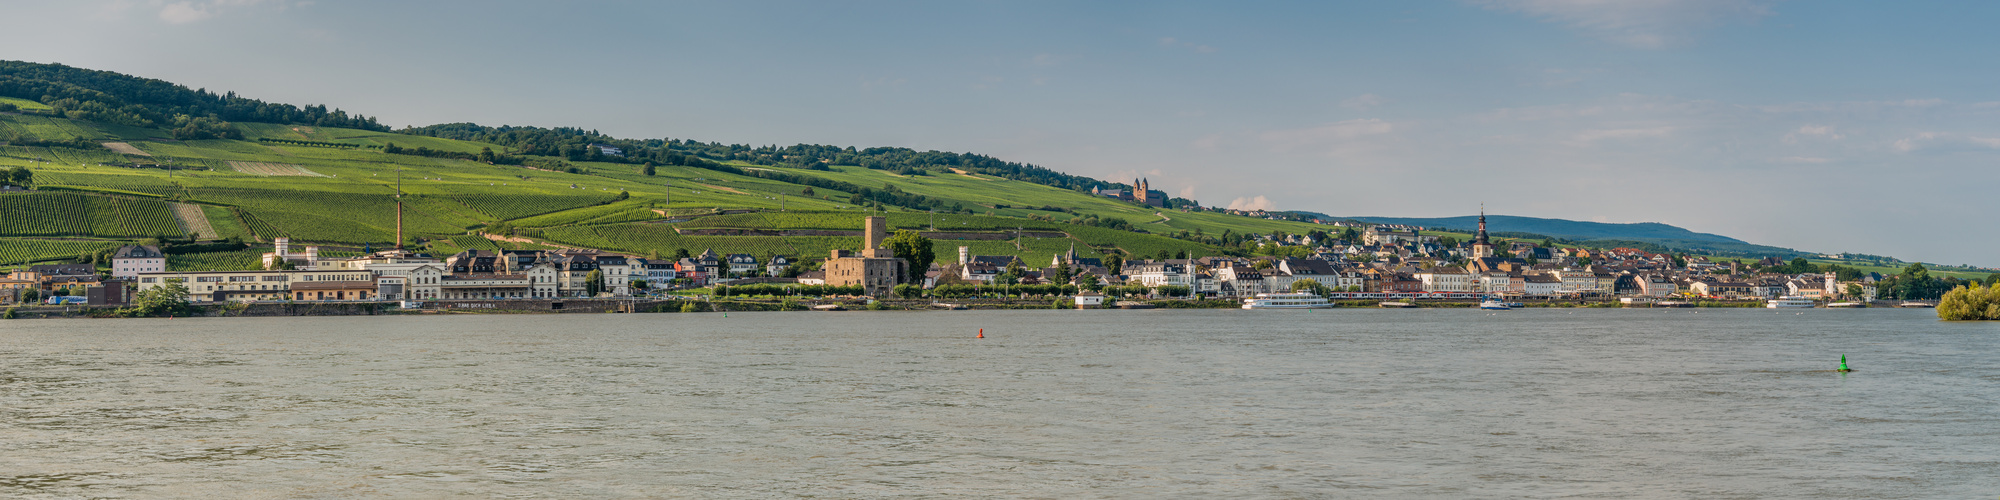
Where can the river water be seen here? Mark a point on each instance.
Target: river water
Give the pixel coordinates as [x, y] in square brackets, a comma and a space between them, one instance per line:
[1664, 403]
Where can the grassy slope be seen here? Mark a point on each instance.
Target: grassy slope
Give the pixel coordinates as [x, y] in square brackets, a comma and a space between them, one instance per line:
[353, 203]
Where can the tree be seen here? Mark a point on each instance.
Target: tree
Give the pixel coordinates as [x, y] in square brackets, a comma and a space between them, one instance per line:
[648, 170]
[640, 284]
[1972, 302]
[915, 249]
[1854, 290]
[1089, 282]
[907, 291]
[1313, 286]
[682, 253]
[170, 298]
[486, 155]
[1115, 264]
[593, 283]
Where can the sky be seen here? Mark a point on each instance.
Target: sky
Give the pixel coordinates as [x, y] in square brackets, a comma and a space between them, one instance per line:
[1828, 126]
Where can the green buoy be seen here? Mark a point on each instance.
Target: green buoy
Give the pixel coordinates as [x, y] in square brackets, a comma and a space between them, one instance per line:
[1843, 364]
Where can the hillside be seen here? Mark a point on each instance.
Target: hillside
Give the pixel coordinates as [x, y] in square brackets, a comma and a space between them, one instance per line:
[118, 159]
[108, 181]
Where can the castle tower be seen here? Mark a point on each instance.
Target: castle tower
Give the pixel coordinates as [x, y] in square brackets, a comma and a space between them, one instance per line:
[875, 230]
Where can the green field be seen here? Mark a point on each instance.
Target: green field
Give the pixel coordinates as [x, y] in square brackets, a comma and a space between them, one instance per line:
[19, 251]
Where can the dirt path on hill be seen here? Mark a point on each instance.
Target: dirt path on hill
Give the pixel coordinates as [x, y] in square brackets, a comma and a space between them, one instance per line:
[975, 177]
[719, 188]
[194, 221]
[124, 148]
[516, 239]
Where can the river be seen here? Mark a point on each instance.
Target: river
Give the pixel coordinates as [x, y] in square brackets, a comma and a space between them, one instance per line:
[1598, 403]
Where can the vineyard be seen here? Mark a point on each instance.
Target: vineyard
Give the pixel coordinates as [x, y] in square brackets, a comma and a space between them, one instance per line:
[272, 169]
[510, 207]
[584, 215]
[137, 183]
[69, 214]
[245, 259]
[24, 251]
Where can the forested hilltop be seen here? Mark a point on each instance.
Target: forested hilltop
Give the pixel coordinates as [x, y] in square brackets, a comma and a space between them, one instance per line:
[116, 98]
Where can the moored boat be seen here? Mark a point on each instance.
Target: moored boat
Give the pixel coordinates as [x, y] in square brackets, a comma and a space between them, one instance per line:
[1398, 305]
[1789, 302]
[1286, 301]
[1494, 305]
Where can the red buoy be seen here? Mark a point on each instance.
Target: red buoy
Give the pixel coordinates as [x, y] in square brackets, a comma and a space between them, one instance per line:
[982, 333]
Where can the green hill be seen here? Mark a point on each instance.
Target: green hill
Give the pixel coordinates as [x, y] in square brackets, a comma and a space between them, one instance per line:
[105, 178]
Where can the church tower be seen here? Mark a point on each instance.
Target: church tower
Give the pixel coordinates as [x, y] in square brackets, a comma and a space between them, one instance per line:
[1481, 248]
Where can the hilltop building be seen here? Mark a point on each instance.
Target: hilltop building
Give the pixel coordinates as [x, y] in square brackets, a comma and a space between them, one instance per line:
[875, 269]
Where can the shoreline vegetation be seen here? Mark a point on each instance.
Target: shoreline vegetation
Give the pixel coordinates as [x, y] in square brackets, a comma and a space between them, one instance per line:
[1971, 303]
[694, 305]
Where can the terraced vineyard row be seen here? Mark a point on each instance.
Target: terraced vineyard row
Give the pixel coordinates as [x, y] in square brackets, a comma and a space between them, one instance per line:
[578, 216]
[71, 214]
[25, 251]
[124, 182]
[642, 239]
[509, 207]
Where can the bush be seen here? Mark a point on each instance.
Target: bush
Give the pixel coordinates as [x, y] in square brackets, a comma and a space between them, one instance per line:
[1971, 302]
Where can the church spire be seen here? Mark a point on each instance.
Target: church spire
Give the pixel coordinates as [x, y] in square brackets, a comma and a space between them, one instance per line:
[1482, 224]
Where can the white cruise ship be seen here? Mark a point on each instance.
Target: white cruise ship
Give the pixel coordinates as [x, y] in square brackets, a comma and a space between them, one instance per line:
[1789, 302]
[1286, 301]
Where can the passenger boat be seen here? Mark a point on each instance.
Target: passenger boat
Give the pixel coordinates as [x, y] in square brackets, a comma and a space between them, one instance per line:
[1286, 301]
[1916, 304]
[1494, 305]
[1848, 305]
[1397, 305]
[1789, 302]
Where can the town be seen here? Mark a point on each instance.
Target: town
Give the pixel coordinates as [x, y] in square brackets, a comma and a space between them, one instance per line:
[1379, 262]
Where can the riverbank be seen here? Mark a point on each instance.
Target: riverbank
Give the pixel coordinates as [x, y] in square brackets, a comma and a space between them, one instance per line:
[689, 305]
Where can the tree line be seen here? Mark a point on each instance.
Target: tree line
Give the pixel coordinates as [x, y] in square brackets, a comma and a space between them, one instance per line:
[577, 144]
[109, 97]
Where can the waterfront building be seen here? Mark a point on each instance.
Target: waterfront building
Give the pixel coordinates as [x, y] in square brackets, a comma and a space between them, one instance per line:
[875, 269]
[134, 259]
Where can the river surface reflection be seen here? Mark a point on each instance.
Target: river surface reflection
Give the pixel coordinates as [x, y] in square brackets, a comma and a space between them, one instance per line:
[1051, 404]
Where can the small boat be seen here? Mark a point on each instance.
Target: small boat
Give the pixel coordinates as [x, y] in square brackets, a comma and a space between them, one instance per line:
[1916, 304]
[1673, 303]
[1398, 305]
[1286, 301]
[1847, 305]
[828, 307]
[1789, 302]
[1494, 305]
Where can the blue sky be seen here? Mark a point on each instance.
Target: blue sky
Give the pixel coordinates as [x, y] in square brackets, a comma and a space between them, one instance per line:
[1827, 126]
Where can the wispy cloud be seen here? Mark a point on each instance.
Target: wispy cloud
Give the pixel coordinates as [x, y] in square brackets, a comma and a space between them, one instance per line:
[188, 11]
[1199, 48]
[1362, 102]
[1638, 23]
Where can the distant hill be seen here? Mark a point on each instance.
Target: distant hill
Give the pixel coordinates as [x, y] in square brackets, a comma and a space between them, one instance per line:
[1559, 228]
[1651, 235]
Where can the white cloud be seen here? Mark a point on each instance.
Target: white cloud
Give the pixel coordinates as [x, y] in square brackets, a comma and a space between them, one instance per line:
[1325, 135]
[1637, 23]
[1187, 192]
[1362, 102]
[1991, 142]
[1167, 41]
[1594, 135]
[1813, 131]
[1256, 203]
[188, 11]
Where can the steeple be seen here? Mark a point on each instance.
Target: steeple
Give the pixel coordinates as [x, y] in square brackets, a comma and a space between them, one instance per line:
[1481, 247]
[1482, 224]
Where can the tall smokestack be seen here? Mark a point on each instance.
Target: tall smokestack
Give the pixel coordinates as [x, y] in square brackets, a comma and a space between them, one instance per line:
[399, 223]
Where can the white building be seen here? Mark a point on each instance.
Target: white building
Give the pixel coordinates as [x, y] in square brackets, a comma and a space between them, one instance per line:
[134, 259]
[1445, 279]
